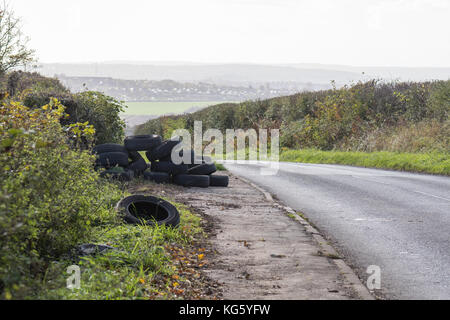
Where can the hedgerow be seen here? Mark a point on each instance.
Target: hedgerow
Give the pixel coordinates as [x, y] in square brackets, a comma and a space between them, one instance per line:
[347, 118]
[50, 196]
[99, 110]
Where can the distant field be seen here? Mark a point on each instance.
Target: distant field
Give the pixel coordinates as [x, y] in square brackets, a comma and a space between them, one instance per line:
[163, 108]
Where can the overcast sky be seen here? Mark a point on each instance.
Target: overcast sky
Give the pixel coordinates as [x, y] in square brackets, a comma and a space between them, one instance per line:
[351, 32]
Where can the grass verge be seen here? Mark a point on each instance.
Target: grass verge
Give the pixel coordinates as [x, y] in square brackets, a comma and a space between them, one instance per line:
[145, 264]
[435, 163]
[220, 167]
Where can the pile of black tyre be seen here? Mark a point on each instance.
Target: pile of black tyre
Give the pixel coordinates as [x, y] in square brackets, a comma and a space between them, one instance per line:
[124, 162]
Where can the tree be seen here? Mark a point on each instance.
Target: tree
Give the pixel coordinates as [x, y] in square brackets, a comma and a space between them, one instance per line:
[13, 44]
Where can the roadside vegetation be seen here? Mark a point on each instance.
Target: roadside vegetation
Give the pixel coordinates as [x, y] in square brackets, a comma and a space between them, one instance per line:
[142, 266]
[407, 122]
[95, 108]
[220, 167]
[436, 163]
[52, 200]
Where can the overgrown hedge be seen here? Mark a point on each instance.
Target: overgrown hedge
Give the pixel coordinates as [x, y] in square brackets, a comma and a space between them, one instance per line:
[99, 110]
[342, 119]
[50, 196]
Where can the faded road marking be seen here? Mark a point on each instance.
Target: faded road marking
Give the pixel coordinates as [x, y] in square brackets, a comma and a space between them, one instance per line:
[432, 195]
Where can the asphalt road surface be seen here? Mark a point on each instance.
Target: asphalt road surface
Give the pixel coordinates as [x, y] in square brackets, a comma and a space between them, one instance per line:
[395, 220]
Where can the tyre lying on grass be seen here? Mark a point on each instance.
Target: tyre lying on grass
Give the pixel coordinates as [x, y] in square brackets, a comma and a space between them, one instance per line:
[147, 210]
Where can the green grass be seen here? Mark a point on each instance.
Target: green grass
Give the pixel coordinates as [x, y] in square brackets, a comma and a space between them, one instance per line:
[432, 162]
[220, 167]
[126, 273]
[435, 163]
[164, 108]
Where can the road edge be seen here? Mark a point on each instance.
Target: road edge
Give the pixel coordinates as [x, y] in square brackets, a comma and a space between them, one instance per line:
[347, 272]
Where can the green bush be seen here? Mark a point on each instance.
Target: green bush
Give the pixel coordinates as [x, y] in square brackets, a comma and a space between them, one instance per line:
[50, 195]
[17, 82]
[101, 111]
[439, 101]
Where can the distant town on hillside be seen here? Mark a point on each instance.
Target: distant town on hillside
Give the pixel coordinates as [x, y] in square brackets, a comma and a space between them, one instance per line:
[182, 81]
[169, 90]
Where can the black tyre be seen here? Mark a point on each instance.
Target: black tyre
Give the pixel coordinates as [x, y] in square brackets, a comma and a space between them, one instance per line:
[203, 169]
[109, 147]
[112, 159]
[142, 143]
[169, 167]
[200, 160]
[187, 180]
[115, 175]
[146, 210]
[158, 177]
[219, 181]
[191, 156]
[163, 151]
[166, 159]
[134, 155]
[138, 166]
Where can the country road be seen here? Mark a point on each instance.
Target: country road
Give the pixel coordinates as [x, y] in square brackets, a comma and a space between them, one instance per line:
[395, 220]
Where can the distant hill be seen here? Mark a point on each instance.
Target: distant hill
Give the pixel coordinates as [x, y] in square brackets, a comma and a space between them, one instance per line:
[227, 74]
[241, 74]
[389, 73]
[169, 90]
